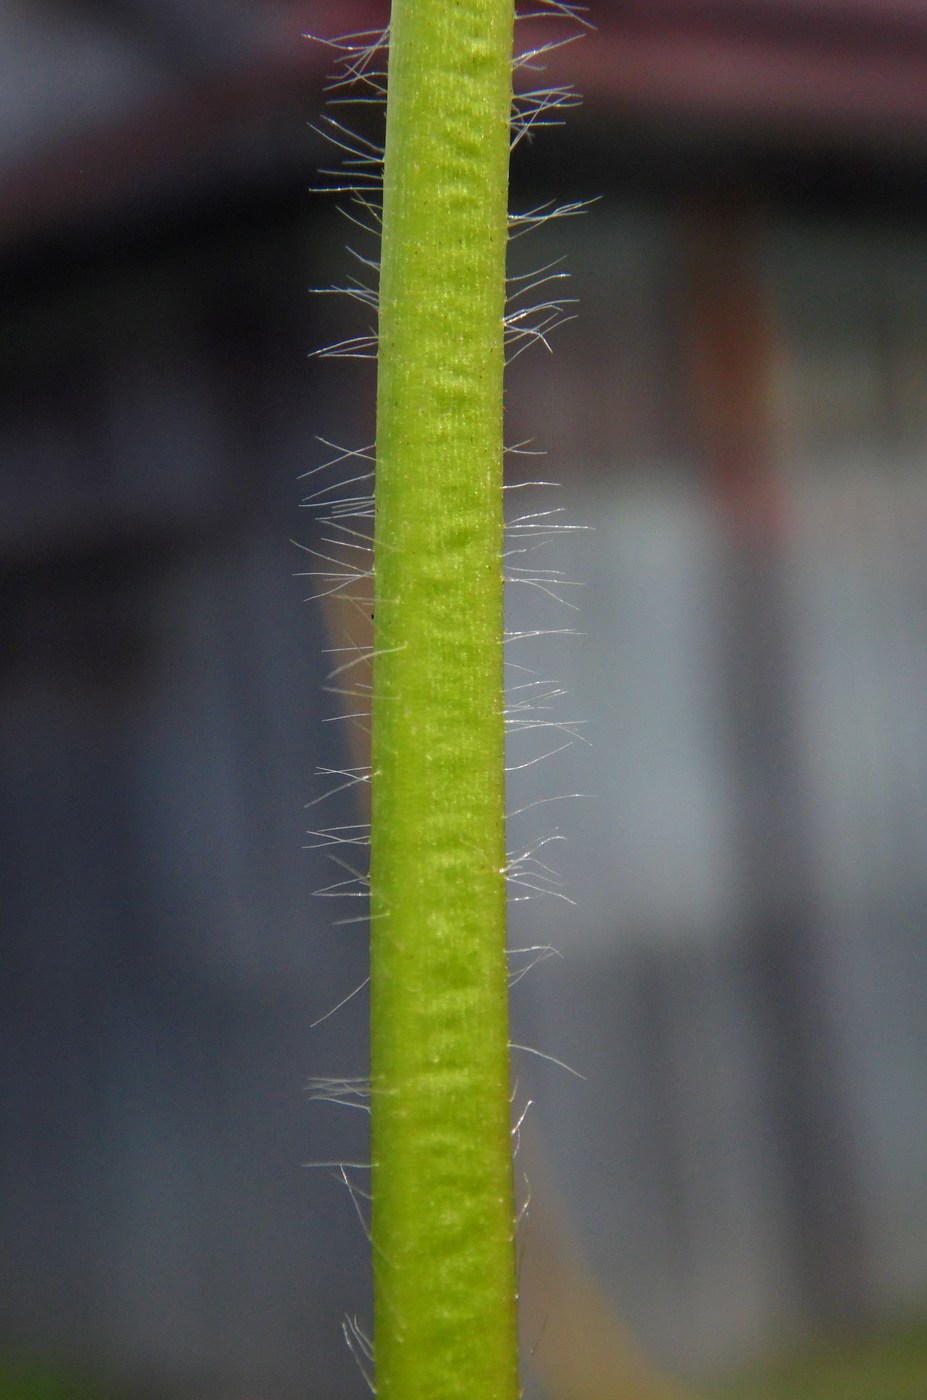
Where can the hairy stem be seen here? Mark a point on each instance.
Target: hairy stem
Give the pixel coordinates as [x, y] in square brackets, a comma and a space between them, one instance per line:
[443, 1220]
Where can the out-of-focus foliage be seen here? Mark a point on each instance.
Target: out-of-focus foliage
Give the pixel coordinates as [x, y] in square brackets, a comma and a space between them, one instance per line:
[890, 1366]
[40, 1381]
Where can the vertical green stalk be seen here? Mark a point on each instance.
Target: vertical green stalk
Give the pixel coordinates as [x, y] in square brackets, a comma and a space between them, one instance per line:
[443, 1218]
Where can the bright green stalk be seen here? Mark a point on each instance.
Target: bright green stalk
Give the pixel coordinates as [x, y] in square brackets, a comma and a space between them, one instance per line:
[443, 1218]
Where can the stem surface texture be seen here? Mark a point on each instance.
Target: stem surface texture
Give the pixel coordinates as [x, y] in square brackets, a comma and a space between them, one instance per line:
[443, 1216]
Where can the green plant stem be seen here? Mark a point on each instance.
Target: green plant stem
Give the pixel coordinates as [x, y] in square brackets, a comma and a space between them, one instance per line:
[443, 1219]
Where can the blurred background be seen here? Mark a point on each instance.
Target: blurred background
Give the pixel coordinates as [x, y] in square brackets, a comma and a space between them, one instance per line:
[740, 412]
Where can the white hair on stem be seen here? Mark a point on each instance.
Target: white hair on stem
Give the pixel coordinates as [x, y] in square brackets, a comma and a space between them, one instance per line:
[340, 502]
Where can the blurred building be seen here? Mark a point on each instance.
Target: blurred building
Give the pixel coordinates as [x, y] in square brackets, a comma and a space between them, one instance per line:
[740, 410]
